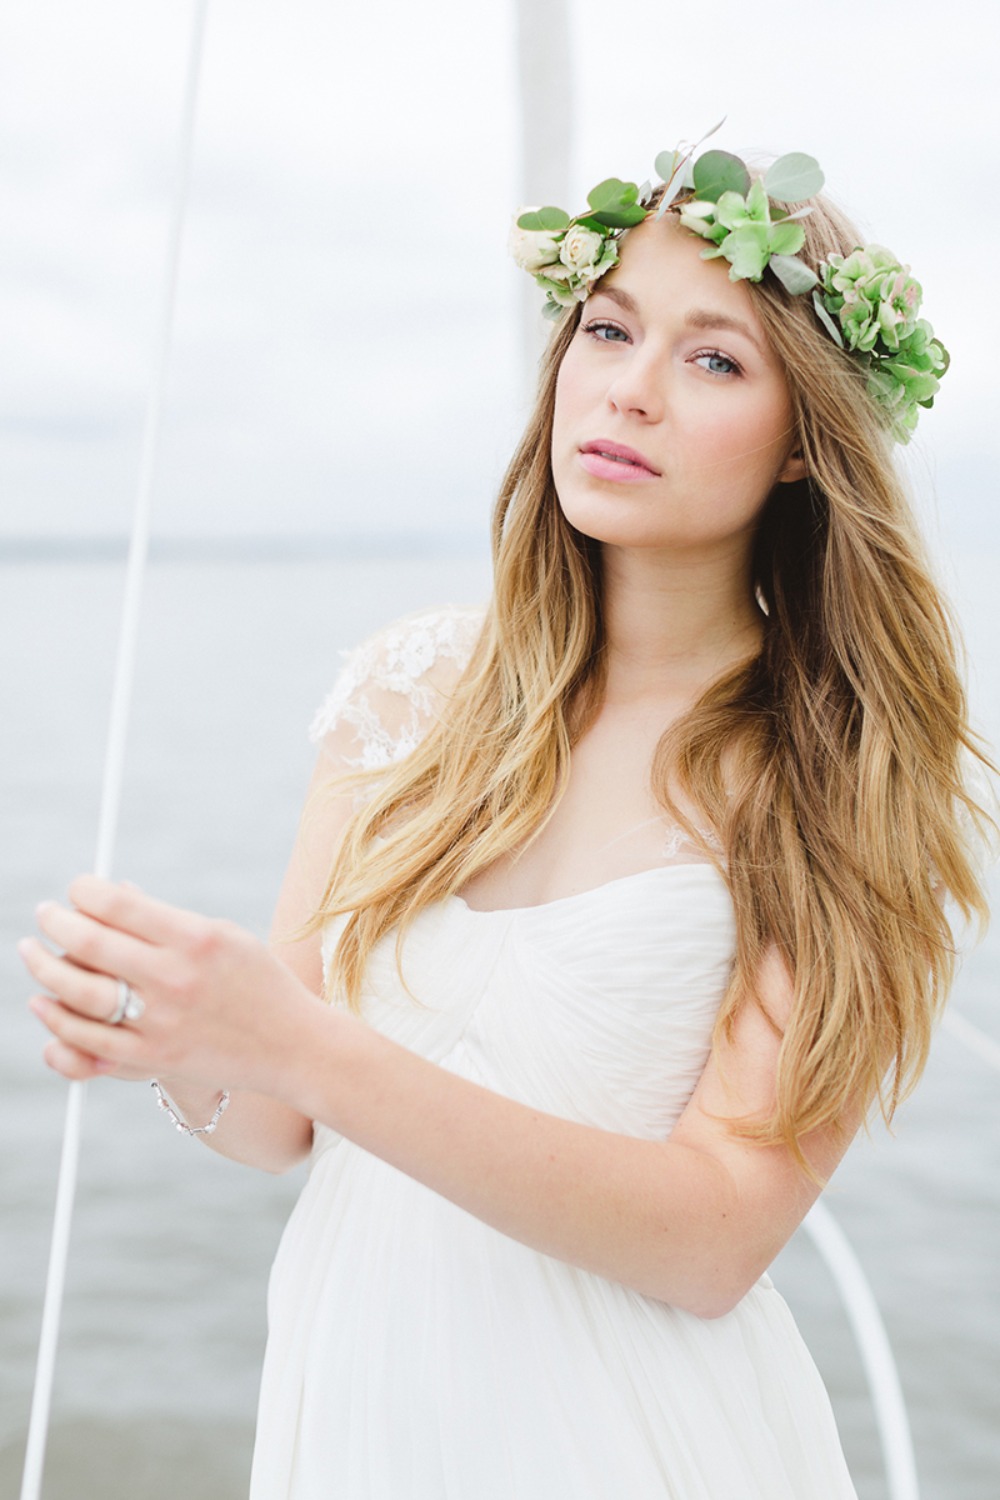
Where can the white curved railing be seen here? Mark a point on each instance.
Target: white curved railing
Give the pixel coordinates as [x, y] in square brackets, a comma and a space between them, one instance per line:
[863, 1313]
[873, 1345]
[977, 1041]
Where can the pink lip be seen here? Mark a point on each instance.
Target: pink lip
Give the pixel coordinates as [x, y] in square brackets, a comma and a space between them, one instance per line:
[606, 460]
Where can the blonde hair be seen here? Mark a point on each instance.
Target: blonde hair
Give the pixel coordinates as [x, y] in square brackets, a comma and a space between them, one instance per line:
[830, 764]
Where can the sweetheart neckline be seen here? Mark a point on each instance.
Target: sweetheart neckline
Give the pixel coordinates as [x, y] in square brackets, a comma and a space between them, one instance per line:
[593, 890]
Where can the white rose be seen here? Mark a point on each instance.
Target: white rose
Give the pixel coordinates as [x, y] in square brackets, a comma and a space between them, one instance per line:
[558, 282]
[581, 248]
[532, 248]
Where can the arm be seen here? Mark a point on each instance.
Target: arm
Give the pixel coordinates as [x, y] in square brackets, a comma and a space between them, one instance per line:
[385, 694]
[693, 1220]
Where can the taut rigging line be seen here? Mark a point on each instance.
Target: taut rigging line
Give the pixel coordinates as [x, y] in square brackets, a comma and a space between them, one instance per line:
[34, 1458]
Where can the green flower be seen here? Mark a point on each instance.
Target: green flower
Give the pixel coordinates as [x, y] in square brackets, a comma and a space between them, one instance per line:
[908, 378]
[742, 231]
[870, 304]
[873, 297]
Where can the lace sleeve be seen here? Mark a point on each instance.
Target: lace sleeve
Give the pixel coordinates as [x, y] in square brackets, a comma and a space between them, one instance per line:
[392, 686]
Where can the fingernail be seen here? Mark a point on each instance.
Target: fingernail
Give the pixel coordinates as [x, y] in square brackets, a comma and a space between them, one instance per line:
[24, 947]
[37, 1004]
[42, 908]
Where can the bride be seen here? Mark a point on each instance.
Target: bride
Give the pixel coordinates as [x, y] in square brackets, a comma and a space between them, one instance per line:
[614, 911]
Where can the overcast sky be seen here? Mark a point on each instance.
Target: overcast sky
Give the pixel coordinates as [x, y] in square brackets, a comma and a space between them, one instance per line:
[346, 352]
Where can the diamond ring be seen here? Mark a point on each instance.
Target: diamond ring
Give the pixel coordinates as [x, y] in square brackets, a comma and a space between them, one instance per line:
[130, 1005]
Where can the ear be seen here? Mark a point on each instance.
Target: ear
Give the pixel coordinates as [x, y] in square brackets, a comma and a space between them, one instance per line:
[793, 468]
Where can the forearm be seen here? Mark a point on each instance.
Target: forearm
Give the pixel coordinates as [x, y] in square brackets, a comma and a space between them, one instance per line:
[655, 1215]
[254, 1129]
[693, 1220]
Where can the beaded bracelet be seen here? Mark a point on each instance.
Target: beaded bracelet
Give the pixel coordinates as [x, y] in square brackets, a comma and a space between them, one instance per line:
[181, 1125]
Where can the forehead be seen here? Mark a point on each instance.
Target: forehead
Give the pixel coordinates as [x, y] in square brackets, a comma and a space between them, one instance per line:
[661, 267]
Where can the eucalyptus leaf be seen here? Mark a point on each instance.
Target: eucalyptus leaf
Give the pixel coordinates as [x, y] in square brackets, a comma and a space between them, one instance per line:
[826, 320]
[645, 191]
[591, 221]
[548, 220]
[719, 172]
[793, 178]
[625, 217]
[794, 275]
[666, 164]
[612, 193]
[709, 133]
[669, 194]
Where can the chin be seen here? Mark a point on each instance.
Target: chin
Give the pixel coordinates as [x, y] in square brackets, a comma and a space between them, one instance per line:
[618, 530]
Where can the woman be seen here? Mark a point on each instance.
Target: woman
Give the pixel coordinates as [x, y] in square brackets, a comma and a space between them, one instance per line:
[628, 898]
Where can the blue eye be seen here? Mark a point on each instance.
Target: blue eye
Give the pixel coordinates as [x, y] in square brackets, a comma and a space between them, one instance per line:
[598, 328]
[717, 359]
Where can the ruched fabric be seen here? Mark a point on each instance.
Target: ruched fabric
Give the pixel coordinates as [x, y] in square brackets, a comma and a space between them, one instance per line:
[416, 1353]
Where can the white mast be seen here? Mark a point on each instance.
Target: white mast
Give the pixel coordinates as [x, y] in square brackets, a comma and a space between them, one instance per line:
[545, 87]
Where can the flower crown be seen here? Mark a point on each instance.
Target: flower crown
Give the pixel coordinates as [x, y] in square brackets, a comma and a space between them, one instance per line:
[867, 301]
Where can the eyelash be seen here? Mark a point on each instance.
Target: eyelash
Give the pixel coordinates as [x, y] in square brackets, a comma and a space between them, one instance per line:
[718, 354]
[598, 323]
[736, 369]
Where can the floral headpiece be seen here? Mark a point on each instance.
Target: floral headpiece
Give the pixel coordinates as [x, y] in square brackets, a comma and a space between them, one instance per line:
[867, 301]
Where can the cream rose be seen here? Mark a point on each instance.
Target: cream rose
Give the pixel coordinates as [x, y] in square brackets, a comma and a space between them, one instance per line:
[532, 248]
[581, 248]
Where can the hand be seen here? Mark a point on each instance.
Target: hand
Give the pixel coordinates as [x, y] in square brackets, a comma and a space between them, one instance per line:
[220, 1008]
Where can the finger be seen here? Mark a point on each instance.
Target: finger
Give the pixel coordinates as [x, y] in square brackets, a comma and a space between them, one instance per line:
[70, 1063]
[88, 993]
[118, 1045]
[130, 910]
[80, 1065]
[92, 945]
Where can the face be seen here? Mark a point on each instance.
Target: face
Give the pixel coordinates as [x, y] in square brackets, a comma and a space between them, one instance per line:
[672, 418]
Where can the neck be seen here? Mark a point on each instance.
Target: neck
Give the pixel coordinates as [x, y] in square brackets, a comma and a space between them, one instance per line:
[674, 622]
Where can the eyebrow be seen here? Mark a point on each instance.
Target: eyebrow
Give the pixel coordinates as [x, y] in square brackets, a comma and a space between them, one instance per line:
[698, 317]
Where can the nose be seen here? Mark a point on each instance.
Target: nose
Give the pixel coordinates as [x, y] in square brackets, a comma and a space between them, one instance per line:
[639, 385]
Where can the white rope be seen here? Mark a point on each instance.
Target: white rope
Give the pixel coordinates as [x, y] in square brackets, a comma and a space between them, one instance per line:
[977, 1041]
[34, 1458]
[874, 1348]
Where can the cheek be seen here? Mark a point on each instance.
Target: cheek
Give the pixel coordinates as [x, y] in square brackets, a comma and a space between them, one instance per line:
[571, 403]
[750, 438]
[569, 392]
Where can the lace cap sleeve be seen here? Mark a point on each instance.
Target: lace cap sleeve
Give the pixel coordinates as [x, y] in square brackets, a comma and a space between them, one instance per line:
[392, 686]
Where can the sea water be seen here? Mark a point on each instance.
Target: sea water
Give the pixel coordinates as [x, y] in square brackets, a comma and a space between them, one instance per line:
[164, 1319]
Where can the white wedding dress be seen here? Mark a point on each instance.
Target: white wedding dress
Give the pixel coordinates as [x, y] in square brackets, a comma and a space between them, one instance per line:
[416, 1353]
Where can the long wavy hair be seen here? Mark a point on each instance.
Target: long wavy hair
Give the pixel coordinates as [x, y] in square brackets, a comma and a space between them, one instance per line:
[830, 765]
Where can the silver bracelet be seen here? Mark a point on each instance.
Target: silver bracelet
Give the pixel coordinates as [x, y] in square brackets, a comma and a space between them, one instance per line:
[182, 1125]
